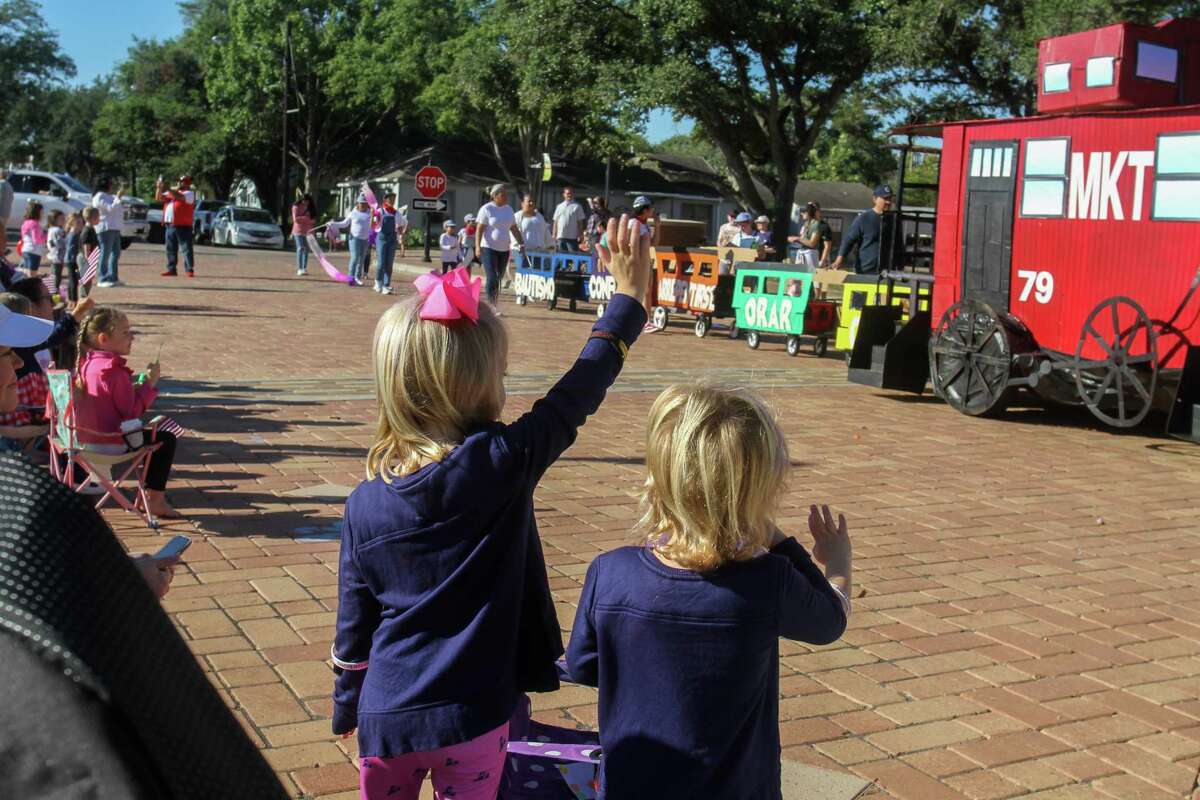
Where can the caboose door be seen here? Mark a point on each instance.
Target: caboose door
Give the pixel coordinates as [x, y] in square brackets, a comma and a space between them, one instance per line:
[988, 222]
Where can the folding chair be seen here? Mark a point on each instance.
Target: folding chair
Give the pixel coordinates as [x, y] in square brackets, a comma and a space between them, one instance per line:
[67, 453]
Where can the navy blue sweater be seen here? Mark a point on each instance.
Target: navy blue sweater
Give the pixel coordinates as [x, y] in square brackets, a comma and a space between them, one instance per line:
[442, 587]
[688, 668]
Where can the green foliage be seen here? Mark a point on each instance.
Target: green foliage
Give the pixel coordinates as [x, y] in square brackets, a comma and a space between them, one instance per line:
[32, 68]
[853, 147]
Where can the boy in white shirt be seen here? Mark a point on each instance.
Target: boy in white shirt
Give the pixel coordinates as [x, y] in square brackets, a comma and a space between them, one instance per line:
[449, 245]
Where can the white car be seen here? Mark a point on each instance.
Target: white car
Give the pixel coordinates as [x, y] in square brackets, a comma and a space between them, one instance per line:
[240, 226]
[58, 191]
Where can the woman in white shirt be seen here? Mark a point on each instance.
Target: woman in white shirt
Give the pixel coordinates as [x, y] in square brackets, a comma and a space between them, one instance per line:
[493, 224]
[112, 221]
[359, 221]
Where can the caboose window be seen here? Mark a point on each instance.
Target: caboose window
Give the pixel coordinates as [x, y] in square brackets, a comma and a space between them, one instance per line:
[1100, 71]
[1156, 62]
[1056, 78]
[1044, 182]
[1177, 177]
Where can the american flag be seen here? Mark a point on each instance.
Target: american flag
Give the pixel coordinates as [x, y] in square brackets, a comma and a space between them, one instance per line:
[48, 282]
[169, 425]
[93, 269]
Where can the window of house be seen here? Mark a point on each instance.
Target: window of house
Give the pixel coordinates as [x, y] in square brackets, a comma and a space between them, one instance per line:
[1157, 63]
[1177, 177]
[1044, 183]
[1100, 71]
[1056, 78]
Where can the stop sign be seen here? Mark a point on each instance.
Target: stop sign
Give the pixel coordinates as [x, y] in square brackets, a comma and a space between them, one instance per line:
[431, 182]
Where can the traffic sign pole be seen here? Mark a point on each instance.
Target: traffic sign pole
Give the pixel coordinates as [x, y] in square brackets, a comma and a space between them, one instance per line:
[427, 259]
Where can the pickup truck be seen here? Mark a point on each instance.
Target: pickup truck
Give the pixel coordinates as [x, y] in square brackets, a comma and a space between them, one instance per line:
[59, 191]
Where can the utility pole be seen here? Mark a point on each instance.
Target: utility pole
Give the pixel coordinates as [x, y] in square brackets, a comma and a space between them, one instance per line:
[283, 149]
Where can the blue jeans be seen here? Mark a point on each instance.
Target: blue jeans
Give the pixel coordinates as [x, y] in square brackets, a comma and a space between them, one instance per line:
[179, 238]
[358, 257]
[110, 255]
[386, 249]
[301, 253]
[568, 245]
[30, 261]
[494, 264]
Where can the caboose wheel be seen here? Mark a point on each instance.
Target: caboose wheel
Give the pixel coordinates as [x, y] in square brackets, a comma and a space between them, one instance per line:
[702, 325]
[752, 339]
[600, 310]
[792, 345]
[659, 317]
[1123, 377]
[522, 300]
[820, 347]
[970, 358]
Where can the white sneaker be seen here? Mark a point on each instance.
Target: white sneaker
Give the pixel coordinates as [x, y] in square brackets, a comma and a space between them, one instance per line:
[301, 272]
[105, 285]
[117, 283]
[387, 290]
[378, 289]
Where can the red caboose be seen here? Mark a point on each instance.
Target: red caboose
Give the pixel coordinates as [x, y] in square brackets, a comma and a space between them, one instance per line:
[1068, 243]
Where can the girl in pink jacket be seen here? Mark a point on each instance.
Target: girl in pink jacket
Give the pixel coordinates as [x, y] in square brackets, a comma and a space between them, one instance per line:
[108, 396]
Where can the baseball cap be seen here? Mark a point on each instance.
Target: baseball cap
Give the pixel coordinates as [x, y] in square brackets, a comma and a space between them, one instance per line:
[22, 330]
[763, 218]
[743, 217]
[469, 218]
[448, 223]
[640, 202]
[185, 178]
[362, 198]
[883, 190]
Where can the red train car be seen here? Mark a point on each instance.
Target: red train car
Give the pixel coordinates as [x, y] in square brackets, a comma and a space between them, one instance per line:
[1068, 243]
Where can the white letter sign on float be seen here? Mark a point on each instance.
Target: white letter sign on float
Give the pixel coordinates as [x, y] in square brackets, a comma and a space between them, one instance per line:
[1095, 190]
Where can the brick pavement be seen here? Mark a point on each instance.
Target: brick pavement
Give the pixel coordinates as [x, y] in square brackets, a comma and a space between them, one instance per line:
[1027, 623]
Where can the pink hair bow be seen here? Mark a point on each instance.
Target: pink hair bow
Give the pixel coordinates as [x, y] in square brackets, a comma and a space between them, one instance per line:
[449, 297]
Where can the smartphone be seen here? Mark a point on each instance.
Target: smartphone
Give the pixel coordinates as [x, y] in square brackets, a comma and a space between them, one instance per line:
[173, 548]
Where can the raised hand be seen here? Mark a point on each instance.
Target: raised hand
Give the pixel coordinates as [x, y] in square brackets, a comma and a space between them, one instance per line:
[629, 257]
[831, 542]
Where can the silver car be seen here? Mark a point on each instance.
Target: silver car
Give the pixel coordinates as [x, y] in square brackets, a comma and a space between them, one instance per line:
[239, 226]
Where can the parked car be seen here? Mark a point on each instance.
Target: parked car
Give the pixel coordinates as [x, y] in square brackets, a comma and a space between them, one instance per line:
[240, 226]
[60, 191]
[202, 220]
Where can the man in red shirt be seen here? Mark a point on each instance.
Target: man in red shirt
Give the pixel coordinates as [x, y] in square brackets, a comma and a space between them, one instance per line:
[179, 206]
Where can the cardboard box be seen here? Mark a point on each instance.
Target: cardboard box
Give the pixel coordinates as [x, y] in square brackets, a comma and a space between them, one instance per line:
[681, 233]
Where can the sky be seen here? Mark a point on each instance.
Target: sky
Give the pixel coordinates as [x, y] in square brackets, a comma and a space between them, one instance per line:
[98, 42]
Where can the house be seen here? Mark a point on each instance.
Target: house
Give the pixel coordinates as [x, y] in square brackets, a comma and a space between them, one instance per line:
[681, 187]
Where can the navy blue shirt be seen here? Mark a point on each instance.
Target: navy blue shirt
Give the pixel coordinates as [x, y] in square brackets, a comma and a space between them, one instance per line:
[870, 231]
[439, 570]
[688, 668]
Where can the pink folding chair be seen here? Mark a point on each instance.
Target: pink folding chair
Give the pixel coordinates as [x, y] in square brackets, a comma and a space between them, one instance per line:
[67, 453]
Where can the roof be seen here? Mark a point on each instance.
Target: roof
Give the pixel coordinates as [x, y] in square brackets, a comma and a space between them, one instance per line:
[935, 128]
[834, 194]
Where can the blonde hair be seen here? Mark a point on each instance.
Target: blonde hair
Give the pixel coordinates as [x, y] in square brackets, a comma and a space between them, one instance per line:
[433, 382]
[717, 465]
[101, 319]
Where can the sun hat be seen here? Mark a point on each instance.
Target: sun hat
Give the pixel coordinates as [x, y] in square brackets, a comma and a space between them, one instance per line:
[22, 330]
[743, 217]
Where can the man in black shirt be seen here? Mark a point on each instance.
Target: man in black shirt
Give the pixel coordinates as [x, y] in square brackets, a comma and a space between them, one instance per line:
[870, 231]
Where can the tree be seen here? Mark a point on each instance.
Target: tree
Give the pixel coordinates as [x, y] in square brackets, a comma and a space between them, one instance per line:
[854, 146]
[499, 81]
[762, 82]
[968, 58]
[32, 65]
[65, 141]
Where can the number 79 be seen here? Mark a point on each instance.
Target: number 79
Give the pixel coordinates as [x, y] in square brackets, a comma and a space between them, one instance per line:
[1041, 284]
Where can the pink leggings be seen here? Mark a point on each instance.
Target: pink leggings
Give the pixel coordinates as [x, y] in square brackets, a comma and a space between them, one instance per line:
[467, 771]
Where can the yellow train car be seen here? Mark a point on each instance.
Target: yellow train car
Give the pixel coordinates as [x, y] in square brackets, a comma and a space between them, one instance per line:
[859, 291]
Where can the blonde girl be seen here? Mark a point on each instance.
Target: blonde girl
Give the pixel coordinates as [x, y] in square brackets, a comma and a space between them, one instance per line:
[681, 634]
[107, 396]
[444, 610]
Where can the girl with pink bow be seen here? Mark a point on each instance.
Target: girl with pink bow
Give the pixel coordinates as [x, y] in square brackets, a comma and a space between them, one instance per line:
[444, 608]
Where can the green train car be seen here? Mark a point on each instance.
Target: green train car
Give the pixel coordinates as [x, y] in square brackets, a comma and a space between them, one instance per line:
[777, 299]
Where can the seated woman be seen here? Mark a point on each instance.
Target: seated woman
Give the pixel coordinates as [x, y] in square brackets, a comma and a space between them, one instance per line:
[19, 430]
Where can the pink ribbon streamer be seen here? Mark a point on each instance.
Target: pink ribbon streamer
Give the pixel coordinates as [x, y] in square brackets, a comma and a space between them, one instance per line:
[366, 192]
[449, 297]
[330, 269]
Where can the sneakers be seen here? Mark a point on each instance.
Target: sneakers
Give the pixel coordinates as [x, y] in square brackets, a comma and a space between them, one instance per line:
[387, 290]
[191, 274]
[301, 272]
[170, 273]
[650, 328]
[378, 289]
[105, 285]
